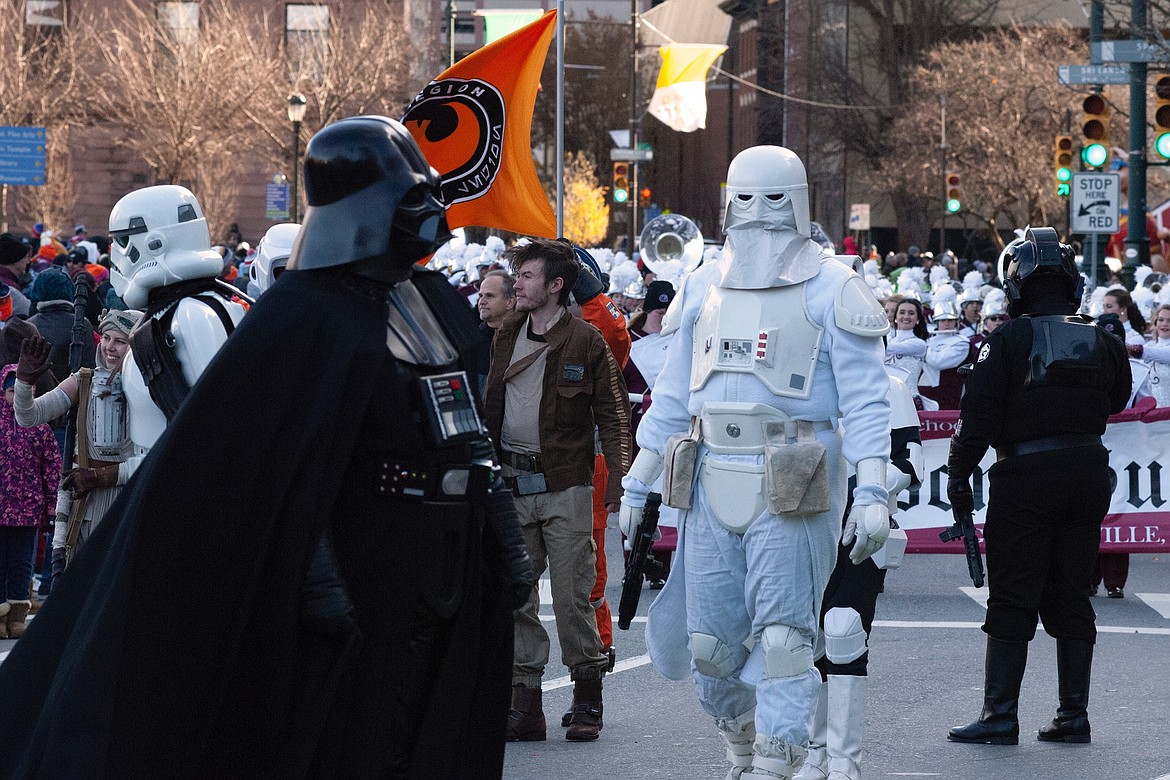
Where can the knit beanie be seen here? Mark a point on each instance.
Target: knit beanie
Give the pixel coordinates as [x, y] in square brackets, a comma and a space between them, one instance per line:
[52, 284]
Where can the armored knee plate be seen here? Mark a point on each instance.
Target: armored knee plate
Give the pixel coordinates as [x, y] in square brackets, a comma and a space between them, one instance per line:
[714, 658]
[845, 637]
[786, 653]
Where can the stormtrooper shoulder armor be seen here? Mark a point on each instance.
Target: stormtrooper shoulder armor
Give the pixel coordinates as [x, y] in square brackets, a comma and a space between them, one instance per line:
[857, 311]
[673, 317]
[199, 332]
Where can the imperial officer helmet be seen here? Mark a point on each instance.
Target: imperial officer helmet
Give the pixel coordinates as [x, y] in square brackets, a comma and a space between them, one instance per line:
[373, 201]
[1039, 254]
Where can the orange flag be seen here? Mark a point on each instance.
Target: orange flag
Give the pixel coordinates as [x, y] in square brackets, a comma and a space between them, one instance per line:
[474, 124]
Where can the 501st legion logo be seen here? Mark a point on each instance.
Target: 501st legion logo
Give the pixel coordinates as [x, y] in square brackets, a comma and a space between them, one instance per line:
[461, 124]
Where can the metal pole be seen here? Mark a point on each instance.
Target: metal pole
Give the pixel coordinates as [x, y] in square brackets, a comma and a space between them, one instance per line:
[450, 33]
[560, 117]
[1137, 243]
[633, 124]
[294, 205]
[942, 148]
[3, 208]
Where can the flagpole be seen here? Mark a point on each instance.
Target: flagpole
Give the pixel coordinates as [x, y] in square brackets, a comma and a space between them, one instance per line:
[560, 117]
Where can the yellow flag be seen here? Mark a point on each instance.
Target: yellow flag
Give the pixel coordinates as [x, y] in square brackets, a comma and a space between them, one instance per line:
[680, 98]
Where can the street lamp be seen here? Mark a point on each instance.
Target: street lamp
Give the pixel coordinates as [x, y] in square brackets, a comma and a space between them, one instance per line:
[296, 112]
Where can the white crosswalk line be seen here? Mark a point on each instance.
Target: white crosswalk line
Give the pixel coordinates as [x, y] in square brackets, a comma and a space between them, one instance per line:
[1159, 602]
[978, 595]
[545, 589]
[621, 666]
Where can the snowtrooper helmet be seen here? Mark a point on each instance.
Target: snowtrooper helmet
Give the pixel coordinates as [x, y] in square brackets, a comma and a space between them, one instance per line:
[1039, 253]
[374, 201]
[159, 237]
[767, 188]
[271, 257]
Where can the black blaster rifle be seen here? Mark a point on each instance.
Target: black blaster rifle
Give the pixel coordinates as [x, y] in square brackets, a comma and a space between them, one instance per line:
[965, 527]
[640, 563]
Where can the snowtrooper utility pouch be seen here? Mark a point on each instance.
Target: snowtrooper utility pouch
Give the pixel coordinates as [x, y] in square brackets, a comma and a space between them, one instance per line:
[678, 468]
[796, 471]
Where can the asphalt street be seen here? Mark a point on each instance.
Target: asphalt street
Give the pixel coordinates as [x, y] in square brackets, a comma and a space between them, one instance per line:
[926, 673]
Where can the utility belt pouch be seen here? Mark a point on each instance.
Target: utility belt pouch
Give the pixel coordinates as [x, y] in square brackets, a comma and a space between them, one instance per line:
[796, 470]
[678, 467]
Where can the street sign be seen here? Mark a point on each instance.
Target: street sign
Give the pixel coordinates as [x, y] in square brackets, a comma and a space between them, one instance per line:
[859, 216]
[1092, 74]
[22, 155]
[276, 201]
[1095, 205]
[631, 155]
[1128, 51]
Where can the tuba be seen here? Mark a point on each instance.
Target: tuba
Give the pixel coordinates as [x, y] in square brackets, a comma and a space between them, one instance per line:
[671, 247]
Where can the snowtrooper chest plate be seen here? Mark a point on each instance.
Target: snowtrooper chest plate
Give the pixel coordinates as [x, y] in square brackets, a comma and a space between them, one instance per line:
[107, 420]
[767, 333]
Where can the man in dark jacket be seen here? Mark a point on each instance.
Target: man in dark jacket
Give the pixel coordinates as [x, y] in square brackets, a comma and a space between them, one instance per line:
[552, 380]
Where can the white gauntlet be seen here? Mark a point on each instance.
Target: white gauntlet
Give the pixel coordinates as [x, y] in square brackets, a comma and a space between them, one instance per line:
[868, 524]
[643, 473]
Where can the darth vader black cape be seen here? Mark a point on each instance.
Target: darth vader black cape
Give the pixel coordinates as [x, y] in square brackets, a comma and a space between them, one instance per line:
[174, 646]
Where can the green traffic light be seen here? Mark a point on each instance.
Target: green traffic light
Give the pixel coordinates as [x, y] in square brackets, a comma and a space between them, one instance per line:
[1094, 155]
[1162, 145]
[620, 196]
[1063, 190]
[1063, 174]
[953, 205]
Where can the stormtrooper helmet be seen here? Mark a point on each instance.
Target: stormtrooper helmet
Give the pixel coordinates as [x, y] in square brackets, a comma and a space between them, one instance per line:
[159, 238]
[374, 201]
[767, 188]
[271, 257]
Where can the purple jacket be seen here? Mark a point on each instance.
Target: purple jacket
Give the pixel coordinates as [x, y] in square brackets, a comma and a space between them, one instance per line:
[30, 469]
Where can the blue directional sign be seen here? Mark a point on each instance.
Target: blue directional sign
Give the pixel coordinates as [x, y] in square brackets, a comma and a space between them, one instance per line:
[276, 201]
[1128, 51]
[22, 155]
[1092, 74]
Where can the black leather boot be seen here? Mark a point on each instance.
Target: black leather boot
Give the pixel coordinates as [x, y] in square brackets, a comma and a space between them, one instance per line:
[526, 720]
[585, 724]
[998, 724]
[1074, 662]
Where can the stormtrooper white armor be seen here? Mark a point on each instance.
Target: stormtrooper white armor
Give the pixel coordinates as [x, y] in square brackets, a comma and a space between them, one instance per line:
[774, 345]
[271, 257]
[160, 241]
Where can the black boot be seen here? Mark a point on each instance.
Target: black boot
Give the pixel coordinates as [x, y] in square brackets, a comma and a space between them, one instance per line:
[998, 724]
[1074, 662]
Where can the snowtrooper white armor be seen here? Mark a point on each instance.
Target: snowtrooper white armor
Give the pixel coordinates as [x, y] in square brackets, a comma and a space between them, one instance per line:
[271, 257]
[163, 263]
[776, 345]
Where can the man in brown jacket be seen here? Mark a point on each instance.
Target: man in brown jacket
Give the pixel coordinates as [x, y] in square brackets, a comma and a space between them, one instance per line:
[552, 381]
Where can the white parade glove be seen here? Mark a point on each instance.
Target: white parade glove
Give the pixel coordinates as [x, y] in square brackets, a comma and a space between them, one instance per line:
[635, 487]
[868, 524]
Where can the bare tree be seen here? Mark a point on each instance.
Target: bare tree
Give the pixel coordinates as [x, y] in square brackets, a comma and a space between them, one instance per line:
[999, 135]
[40, 86]
[178, 95]
[359, 63]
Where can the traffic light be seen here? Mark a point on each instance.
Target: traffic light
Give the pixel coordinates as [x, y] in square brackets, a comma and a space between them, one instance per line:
[1061, 164]
[1095, 131]
[644, 197]
[1162, 116]
[621, 182]
[954, 192]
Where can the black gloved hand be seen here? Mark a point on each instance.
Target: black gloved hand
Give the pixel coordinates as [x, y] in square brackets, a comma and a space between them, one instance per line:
[588, 286]
[960, 495]
[961, 463]
[34, 359]
[516, 566]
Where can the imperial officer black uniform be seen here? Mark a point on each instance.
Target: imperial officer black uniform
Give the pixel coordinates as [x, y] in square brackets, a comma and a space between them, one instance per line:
[1040, 392]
